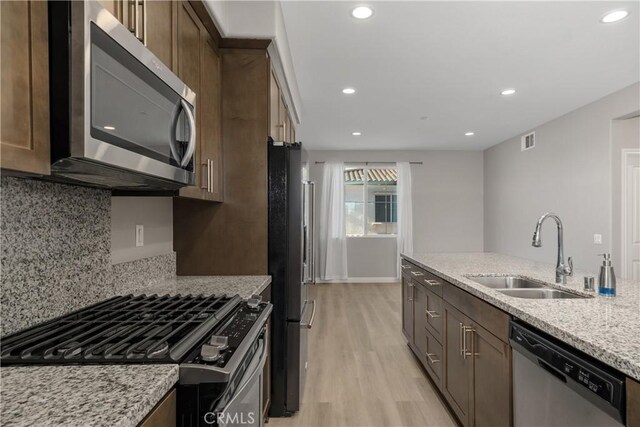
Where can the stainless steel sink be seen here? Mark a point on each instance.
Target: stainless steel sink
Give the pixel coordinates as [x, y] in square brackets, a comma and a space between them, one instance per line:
[544, 293]
[522, 287]
[507, 282]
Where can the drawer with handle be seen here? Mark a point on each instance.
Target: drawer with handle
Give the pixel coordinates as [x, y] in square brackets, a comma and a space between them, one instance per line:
[407, 268]
[432, 282]
[420, 275]
[433, 314]
[433, 356]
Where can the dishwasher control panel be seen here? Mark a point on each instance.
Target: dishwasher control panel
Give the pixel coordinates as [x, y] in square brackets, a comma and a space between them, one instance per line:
[597, 382]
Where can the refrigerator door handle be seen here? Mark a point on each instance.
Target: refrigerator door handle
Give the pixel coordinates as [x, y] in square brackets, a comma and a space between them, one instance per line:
[309, 324]
[312, 232]
[308, 202]
[306, 273]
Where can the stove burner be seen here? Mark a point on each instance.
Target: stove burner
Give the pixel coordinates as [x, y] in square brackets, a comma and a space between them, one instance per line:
[124, 329]
[162, 349]
[72, 349]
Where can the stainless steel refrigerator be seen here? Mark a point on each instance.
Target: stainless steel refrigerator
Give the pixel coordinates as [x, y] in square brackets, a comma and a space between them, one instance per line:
[291, 266]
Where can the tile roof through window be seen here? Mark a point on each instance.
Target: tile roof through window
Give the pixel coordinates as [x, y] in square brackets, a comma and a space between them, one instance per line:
[376, 176]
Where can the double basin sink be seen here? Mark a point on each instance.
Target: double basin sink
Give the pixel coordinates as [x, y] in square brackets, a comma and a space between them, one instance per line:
[522, 287]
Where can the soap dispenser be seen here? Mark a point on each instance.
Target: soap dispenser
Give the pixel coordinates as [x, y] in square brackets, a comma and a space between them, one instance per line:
[607, 278]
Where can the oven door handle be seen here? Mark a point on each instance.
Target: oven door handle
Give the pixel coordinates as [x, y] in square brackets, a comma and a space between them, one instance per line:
[255, 369]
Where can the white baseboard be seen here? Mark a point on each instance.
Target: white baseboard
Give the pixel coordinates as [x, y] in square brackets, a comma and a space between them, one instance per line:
[363, 280]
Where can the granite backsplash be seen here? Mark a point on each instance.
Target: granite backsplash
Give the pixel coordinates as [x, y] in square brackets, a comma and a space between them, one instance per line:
[55, 252]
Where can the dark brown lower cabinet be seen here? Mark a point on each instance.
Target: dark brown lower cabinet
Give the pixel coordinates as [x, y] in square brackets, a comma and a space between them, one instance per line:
[458, 375]
[491, 366]
[435, 359]
[462, 342]
[633, 403]
[477, 377]
[164, 414]
[407, 308]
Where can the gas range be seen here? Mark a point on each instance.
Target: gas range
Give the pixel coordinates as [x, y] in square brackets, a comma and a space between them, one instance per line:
[219, 342]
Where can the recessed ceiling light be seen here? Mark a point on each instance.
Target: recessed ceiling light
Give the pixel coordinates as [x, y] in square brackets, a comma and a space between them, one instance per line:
[614, 16]
[348, 91]
[109, 128]
[469, 134]
[362, 12]
[508, 92]
[356, 133]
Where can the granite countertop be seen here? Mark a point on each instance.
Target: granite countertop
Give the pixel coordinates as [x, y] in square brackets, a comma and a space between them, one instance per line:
[105, 395]
[245, 286]
[605, 328]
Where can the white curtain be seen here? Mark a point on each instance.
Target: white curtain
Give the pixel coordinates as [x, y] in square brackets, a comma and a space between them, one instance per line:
[333, 238]
[405, 211]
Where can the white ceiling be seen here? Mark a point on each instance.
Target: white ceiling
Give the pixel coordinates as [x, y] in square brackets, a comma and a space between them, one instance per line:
[449, 61]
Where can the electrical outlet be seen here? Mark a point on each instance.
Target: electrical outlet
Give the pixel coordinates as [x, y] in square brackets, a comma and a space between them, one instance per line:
[140, 235]
[597, 239]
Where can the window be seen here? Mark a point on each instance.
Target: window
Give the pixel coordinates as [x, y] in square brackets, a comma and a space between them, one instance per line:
[371, 202]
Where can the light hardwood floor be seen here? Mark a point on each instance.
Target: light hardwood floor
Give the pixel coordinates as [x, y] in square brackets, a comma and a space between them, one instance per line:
[361, 372]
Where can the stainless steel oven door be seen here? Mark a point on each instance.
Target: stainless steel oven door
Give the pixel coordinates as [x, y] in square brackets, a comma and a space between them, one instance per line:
[138, 115]
[245, 407]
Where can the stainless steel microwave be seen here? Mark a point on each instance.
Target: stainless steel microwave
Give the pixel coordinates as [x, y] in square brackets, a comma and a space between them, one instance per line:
[120, 118]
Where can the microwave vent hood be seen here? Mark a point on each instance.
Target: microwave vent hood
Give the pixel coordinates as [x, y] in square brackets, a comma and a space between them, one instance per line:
[120, 118]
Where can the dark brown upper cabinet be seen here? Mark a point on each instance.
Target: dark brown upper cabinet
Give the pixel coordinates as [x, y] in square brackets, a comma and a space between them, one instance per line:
[24, 105]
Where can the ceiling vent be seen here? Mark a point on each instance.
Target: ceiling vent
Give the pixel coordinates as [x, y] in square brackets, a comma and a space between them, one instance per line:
[528, 141]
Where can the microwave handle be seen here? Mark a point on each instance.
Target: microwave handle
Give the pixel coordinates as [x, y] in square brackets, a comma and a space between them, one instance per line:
[191, 148]
[172, 139]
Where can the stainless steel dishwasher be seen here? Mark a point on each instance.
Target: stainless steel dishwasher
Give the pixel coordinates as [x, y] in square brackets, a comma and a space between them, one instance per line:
[555, 385]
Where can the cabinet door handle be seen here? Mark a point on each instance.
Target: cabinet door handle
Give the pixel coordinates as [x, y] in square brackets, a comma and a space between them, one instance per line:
[404, 267]
[140, 17]
[462, 349]
[432, 282]
[472, 353]
[417, 273]
[410, 292]
[144, 22]
[433, 314]
[467, 353]
[431, 359]
[132, 15]
[205, 176]
[210, 180]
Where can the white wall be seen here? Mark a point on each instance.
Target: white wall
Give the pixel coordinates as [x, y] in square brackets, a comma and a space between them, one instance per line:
[447, 206]
[625, 134]
[568, 172]
[154, 213]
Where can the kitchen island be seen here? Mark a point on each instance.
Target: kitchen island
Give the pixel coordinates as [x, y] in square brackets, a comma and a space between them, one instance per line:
[607, 329]
[460, 329]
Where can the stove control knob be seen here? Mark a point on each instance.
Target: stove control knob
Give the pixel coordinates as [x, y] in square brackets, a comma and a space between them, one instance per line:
[254, 302]
[210, 353]
[219, 341]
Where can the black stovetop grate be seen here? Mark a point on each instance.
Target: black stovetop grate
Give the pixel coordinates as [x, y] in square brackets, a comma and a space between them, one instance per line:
[127, 329]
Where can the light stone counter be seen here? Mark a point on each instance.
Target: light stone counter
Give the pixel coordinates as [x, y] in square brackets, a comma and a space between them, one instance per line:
[605, 328]
[245, 286]
[105, 395]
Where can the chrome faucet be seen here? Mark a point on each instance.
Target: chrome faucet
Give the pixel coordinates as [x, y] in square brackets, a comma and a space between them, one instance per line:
[562, 270]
